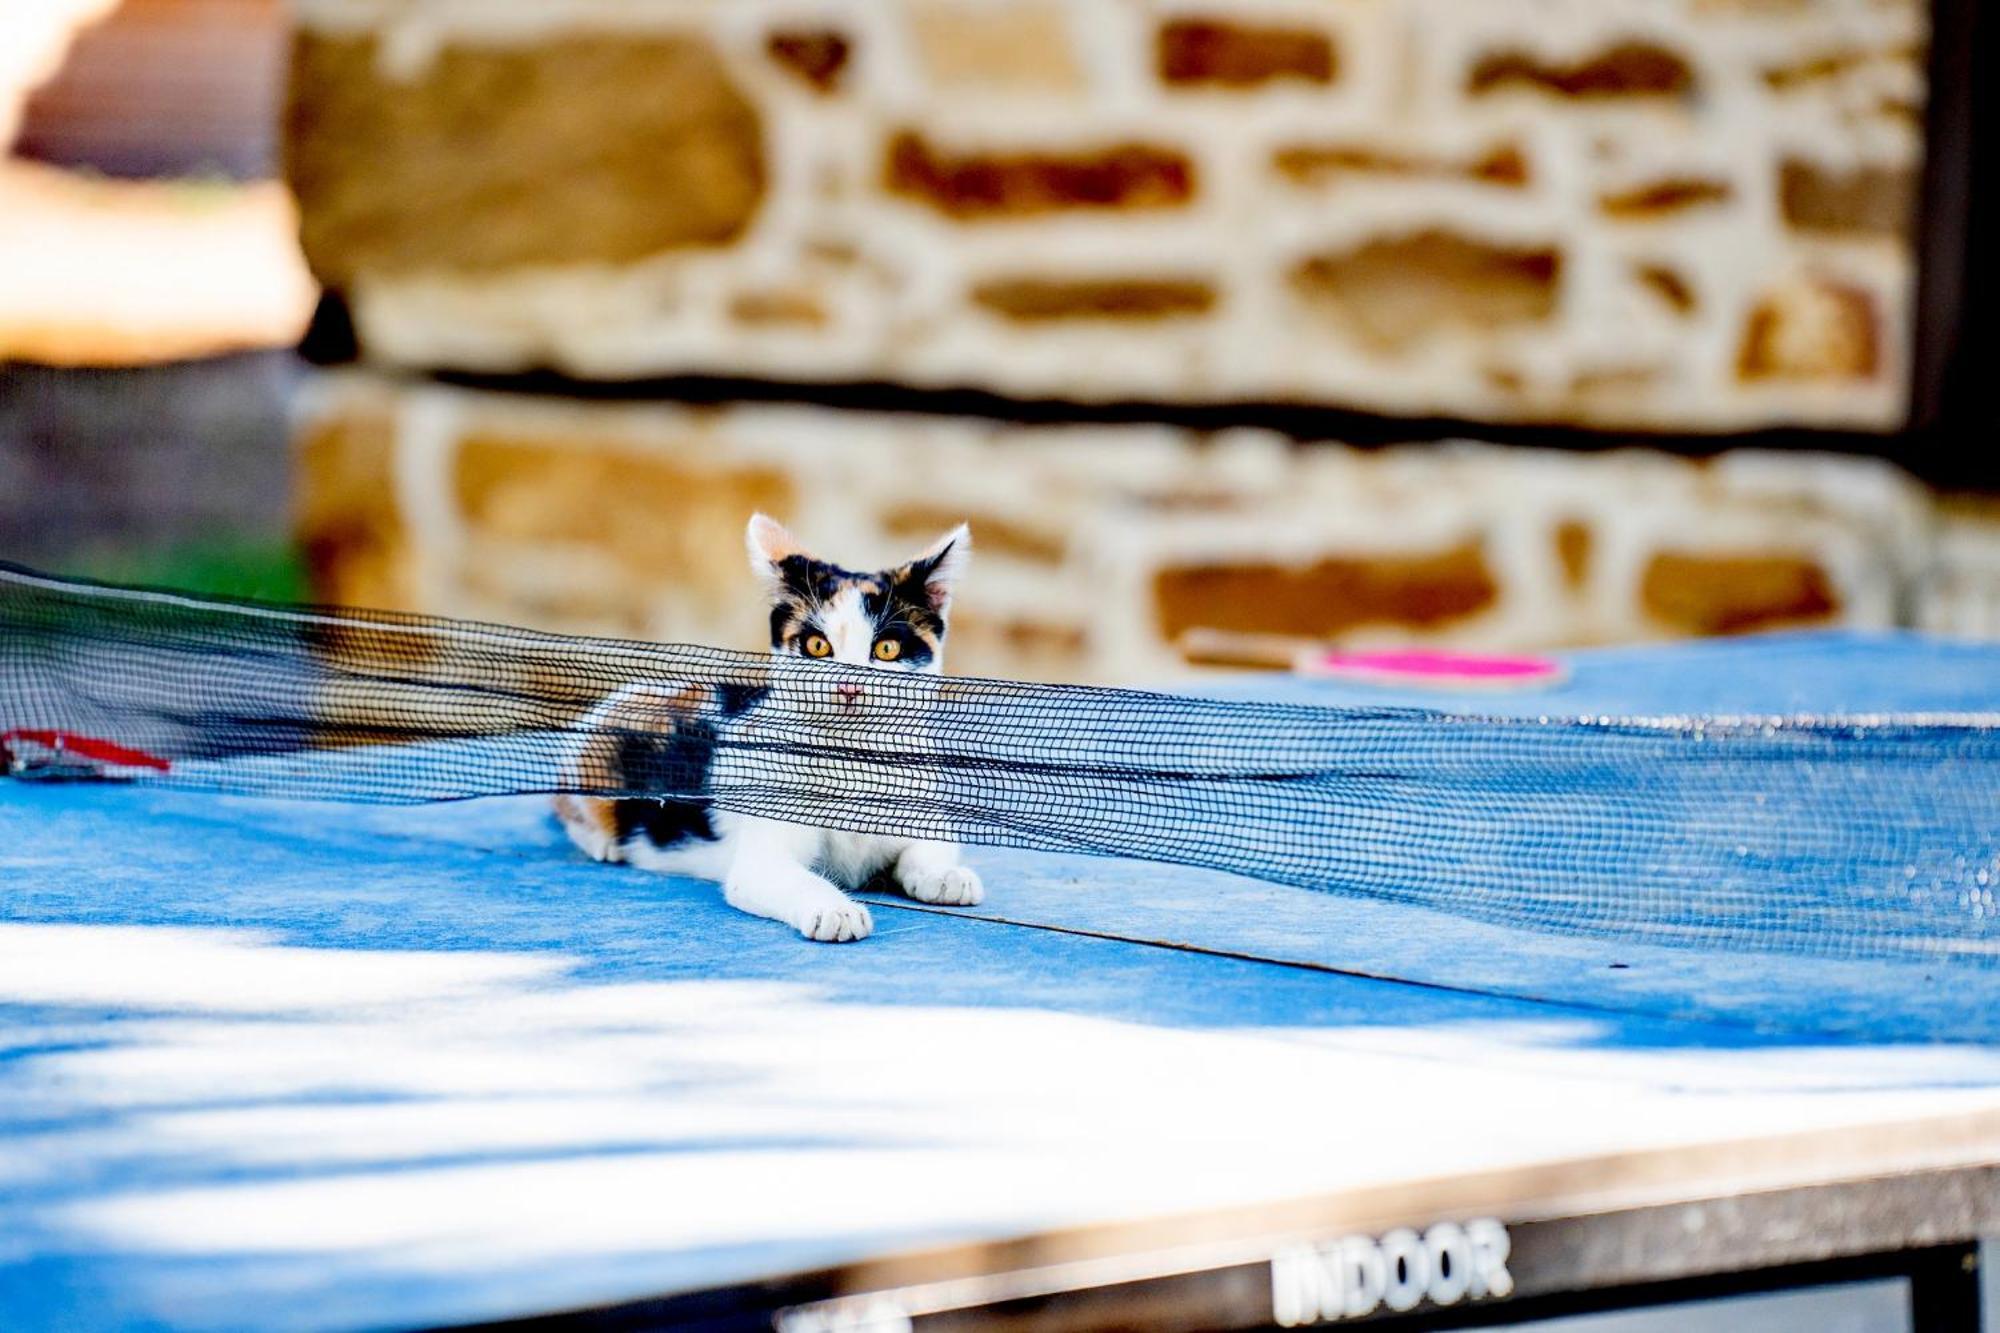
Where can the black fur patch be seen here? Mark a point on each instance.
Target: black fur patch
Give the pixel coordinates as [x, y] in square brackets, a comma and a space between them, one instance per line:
[679, 760]
[787, 623]
[897, 600]
[662, 823]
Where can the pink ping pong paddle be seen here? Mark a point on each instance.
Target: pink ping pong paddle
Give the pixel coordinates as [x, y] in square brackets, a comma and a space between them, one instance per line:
[1433, 668]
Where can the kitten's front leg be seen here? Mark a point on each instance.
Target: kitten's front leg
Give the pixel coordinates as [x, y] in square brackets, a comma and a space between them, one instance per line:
[768, 878]
[930, 873]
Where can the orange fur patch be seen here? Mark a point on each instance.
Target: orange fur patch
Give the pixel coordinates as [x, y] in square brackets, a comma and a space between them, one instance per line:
[588, 812]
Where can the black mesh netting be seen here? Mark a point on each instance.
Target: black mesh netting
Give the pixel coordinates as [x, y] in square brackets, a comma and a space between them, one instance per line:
[1857, 836]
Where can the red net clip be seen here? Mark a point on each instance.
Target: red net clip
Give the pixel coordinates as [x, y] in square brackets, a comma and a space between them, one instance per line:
[27, 752]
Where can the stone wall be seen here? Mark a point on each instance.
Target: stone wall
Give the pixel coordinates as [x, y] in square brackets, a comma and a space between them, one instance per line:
[1685, 214]
[1103, 553]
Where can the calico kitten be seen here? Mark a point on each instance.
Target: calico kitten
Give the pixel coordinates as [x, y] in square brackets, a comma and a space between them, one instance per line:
[891, 620]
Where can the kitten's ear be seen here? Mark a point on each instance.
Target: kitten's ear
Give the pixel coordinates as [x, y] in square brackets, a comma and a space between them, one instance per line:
[769, 544]
[940, 568]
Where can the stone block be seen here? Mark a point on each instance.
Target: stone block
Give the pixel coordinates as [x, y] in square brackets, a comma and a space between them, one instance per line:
[1702, 594]
[1223, 53]
[1812, 328]
[1030, 300]
[816, 56]
[580, 149]
[1328, 597]
[1628, 69]
[974, 185]
[1011, 47]
[1396, 291]
[1868, 200]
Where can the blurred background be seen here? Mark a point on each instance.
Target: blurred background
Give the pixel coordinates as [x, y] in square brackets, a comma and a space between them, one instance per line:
[1230, 327]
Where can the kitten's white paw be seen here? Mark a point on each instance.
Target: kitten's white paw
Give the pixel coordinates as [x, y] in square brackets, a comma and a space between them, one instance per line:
[592, 825]
[835, 924]
[948, 886]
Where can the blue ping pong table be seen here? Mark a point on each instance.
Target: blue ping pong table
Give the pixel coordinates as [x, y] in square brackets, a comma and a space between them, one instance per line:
[283, 1065]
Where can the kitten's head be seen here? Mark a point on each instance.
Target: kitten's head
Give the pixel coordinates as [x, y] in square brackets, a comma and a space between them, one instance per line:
[891, 619]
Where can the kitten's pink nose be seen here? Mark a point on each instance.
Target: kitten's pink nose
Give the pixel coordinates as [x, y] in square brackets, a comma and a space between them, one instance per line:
[849, 692]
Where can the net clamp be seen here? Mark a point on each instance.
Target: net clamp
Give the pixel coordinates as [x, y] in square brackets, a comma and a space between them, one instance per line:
[44, 755]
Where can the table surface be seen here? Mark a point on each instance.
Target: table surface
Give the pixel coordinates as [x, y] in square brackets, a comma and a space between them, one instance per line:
[290, 1065]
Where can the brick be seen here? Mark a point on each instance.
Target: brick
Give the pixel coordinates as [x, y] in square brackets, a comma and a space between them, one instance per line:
[1327, 597]
[1318, 164]
[1612, 383]
[1830, 66]
[1811, 329]
[1212, 52]
[974, 186]
[1020, 46]
[1905, 111]
[654, 145]
[1628, 69]
[1697, 593]
[1574, 542]
[1659, 198]
[1043, 300]
[816, 57]
[1870, 200]
[1667, 283]
[1392, 292]
[779, 307]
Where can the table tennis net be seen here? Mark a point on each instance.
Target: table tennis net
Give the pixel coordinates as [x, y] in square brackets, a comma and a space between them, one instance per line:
[1869, 836]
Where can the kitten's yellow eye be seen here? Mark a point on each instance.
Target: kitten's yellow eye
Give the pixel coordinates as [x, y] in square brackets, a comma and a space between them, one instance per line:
[888, 650]
[817, 646]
